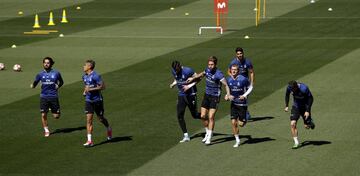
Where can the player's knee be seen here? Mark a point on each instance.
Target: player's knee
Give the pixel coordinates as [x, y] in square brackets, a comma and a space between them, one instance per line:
[293, 124]
[234, 123]
[242, 124]
[56, 116]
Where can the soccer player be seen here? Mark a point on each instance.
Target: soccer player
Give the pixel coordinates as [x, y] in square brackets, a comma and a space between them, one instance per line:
[246, 68]
[94, 101]
[185, 98]
[240, 88]
[214, 79]
[303, 101]
[51, 81]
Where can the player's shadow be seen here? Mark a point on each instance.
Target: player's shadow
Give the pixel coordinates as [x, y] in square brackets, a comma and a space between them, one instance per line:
[249, 139]
[315, 143]
[202, 135]
[254, 119]
[115, 140]
[68, 130]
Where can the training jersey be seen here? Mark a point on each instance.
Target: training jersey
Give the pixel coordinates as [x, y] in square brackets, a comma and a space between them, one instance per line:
[238, 87]
[244, 66]
[213, 84]
[301, 98]
[49, 80]
[92, 80]
[181, 78]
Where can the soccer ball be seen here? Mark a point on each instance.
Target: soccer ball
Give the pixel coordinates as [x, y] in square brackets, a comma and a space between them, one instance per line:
[17, 67]
[2, 66]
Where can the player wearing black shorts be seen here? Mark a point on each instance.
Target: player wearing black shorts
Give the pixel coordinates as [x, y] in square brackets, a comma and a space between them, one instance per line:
[303, 101]
[214, 80]
[94, 101]
[240, 88]
[51, 81]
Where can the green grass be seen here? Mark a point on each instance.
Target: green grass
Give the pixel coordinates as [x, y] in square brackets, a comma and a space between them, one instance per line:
[141, 107]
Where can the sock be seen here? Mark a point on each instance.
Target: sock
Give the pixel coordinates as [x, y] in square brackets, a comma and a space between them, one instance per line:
[237, 138]
[89, 137]
[296, 140]
[46, 129]
[210, 133]
[186, 135]
[207, 130]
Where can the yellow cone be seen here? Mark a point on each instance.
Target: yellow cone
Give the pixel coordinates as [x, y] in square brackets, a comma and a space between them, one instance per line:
[63, 19]
[51, 20]
[36, 24]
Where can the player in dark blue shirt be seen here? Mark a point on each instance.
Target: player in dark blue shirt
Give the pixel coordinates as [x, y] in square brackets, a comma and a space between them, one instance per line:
[240, 88]
[303, 101]
[185, 98]
[93, 100]
[246, 68]
[214, 79]
[51, 81]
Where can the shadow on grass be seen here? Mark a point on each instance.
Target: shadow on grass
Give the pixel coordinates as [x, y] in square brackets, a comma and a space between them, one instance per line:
[254, 119]
[68, 130]
[249, 139]
[315, 143]
[115, 140]
[202, 135]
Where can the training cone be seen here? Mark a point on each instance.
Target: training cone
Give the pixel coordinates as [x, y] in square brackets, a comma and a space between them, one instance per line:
[36, 24]
[51, 20]
[63, 19]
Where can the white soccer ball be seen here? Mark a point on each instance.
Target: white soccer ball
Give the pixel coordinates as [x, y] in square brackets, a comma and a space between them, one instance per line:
[17, 67]
[2, 66]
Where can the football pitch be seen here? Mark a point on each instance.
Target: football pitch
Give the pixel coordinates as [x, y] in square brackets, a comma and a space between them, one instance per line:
[134, 42]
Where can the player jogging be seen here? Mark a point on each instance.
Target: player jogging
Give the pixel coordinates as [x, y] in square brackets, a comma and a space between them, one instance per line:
[246, 68]
[214, 79]
[93, 101]
[303, 101]
[185, 98]
[240, 88]
[51, 81]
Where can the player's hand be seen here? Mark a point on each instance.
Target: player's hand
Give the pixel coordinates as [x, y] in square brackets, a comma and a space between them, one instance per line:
[56, 86]
[286, 109]
[307, 114]
[87, 89]
[226, 97]
[185, 88]
[31, 86]
[242, 97]
[189, 80]
[171, 86]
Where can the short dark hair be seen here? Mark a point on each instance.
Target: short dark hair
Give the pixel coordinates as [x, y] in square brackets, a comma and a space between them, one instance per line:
[91, 62]
[50, 60]
[293, 84]
[239, 49]
[175, 64]
[213, 59]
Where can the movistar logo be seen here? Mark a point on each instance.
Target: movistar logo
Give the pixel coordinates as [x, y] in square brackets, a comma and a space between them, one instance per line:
[221, 5]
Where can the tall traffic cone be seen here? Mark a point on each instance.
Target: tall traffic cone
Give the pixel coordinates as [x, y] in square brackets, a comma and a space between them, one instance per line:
[36, 24]
[51, 20]
[63, 19]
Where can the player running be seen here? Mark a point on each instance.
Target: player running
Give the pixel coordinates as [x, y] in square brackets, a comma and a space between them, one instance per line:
[185, 98]
[51, 81]
[214, 79]
[94, 101]
[246, 68]
[240, 88]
